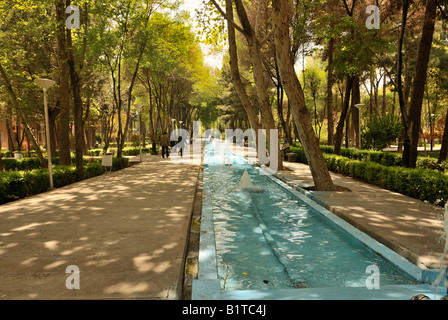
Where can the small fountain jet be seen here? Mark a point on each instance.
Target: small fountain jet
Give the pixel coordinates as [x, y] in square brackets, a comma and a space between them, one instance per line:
[246, 183]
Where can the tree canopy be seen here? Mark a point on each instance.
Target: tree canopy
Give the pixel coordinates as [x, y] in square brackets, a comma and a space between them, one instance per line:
[150, 53]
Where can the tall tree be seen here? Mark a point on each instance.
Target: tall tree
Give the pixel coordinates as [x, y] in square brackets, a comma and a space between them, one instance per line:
[330, 81]
[418, 89]
[293, 88]
[252, 36]
[21, 116]
[444, 148]
[75, 82]
[350, 78]
[64, 86]
[234, 67]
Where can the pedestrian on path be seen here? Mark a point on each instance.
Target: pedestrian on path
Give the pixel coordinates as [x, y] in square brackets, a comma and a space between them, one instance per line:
[165, 143]
[180, 145]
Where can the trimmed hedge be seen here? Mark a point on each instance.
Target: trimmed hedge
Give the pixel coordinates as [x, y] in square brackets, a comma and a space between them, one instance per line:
[424, 184]
[128, 151]
[27, 164]
[118, 165]
[21, 164]
[384, 158]
[16, 185]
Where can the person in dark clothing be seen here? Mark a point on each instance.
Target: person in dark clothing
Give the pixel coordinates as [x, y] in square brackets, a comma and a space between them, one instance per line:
[165, 143]
[180, 146]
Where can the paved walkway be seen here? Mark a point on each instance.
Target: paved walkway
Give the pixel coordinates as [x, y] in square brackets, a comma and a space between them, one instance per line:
[126, 231]
[411, 227]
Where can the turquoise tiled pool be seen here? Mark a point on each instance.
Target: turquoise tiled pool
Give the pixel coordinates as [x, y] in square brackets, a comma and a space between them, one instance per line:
[272, 242]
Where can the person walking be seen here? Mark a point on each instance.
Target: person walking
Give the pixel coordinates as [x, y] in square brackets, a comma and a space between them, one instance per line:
[180, 145]
[165, 143]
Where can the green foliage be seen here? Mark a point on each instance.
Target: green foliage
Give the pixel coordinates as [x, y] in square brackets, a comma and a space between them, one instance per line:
[21, 164]
[95, 152]
[16, 185]
[64, 175]
[424, 184]
[388, 159]
[356, 46]
[431, 163]
[381, 157]
[93, 169]
[27, 164]
[128, 151]
[381, 131]
[119, 163]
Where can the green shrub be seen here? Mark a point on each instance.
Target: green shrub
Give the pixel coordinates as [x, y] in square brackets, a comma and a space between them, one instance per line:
[15, 185]
[3, 188]
[7, 154]
[300, 154]
[95, 152]
[37, 181]
[93, 169]
[430, 163]
[119, 163]
[28, 164]
[381, 131]
[424, 184]
[64, 175]
[10, 164]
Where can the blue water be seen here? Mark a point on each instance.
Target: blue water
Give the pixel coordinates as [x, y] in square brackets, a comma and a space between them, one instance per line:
[273, 240]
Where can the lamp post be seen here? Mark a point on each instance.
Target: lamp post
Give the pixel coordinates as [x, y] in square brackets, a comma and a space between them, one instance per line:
[45, 84]
[432, 123]
[173, 127]
[180, 127]
[358, 129]
[139, 107]
[179, 133]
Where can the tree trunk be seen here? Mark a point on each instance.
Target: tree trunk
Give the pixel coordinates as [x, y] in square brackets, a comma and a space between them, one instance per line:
[444, 148]
[330, 82]
[64, 88]
[293, 88]
[371, 100]
[288, 125]
[234, 68]
[344, 112]
[21, 117]
[260, 78]
[401, 98]
[421, 68]
[52, 114]
[10, 140]
[129, 104]
[356, 99]
[151, 120]
[78, 107]
[383, 109]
